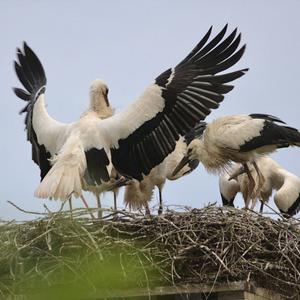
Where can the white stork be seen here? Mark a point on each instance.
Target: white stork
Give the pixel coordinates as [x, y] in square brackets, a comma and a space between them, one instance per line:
[139, 194]
[135, 140]
[229, 187]
[241, 139]
[285, 183]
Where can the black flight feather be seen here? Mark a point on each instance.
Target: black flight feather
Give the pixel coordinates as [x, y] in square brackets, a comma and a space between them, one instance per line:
[32, 76]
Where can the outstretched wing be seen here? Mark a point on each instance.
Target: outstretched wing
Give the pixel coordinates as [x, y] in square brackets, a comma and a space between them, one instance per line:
[44, 133]
[146, 132]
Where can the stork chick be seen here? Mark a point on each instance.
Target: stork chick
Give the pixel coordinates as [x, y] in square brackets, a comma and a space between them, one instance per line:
[241, 139]
[285, 183]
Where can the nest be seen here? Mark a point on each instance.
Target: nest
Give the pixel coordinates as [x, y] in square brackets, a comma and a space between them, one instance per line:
[202, 246]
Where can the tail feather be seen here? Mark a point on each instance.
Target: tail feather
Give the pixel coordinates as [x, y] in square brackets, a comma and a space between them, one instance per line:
[65, 177]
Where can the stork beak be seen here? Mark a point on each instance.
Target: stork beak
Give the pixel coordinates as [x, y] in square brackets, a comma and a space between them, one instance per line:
[237, 173]
[182, 163]
[106, 100]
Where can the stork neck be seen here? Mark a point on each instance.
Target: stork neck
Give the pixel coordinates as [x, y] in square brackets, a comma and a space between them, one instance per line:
[212, 160]
[280, 176]
[100, 105]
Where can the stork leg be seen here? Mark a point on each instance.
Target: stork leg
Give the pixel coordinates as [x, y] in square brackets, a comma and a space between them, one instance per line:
[115, 217]
[261, 179]
[100, 215]
[71, 207]
[160, 208]
[115, 200]
[251, 185]
[261, 209]
[86, 206]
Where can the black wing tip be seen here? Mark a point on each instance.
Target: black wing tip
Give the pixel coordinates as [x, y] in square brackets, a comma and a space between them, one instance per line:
[225, 28]
[243, 48]
[22, 94]
[16, 64]
[30, 72]
[16, 90]
[234, 32]
[27, 49]
[242, 72]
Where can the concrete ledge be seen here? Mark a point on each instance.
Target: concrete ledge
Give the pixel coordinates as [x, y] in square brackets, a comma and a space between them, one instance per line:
[240, 290]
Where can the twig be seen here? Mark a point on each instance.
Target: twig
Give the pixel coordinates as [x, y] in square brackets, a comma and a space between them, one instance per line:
[26, 211]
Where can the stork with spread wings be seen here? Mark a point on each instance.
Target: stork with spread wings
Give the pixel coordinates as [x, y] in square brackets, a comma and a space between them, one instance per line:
[134, 140]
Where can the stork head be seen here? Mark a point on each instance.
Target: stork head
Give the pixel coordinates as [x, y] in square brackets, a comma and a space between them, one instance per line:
[194, 151]
[98, 99]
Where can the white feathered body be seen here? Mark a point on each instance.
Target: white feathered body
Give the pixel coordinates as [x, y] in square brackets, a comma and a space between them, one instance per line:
[67, 149]
[221, 141]
[285, 183]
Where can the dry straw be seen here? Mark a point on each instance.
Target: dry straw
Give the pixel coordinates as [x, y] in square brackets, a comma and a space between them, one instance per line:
[210, 245]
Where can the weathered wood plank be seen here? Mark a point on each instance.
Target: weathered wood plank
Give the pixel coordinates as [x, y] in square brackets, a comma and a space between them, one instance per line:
[230, 291]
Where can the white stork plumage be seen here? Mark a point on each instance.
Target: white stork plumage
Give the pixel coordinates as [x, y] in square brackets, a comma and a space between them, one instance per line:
[135, 140]
[139, 194]
[285, 183]
[241, 139]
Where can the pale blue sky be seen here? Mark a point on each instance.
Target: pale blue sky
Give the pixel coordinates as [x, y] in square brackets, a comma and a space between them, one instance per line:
[127, 44]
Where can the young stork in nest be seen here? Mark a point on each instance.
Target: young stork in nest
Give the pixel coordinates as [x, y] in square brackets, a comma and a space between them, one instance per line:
[139, 194]
[286, 185]
[241, 139]
[135, 140]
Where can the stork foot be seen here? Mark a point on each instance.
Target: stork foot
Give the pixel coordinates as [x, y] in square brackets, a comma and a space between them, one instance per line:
[237, 173]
